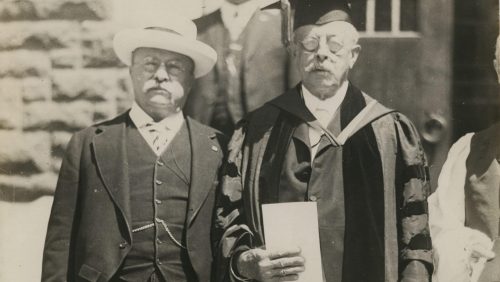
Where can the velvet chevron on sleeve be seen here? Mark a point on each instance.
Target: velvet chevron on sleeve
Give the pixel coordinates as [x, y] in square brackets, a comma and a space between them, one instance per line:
[230, 232]
[413, 188]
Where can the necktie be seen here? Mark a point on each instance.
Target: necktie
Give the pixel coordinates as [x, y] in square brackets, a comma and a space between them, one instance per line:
[158, 133]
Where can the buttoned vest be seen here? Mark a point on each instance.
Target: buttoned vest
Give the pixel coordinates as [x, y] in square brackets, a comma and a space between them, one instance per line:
[482, 193]
[159, 190]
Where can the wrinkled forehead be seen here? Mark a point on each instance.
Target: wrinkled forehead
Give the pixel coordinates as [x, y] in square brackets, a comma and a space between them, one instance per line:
[344, 31]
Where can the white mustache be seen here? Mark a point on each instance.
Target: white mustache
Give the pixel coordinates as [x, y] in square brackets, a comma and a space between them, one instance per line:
[316, 67]
[175, 89]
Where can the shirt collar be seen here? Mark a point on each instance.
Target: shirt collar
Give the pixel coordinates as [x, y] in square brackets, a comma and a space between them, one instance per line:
[245, 12]
[244, 9]
[330, 104]
[140, 118]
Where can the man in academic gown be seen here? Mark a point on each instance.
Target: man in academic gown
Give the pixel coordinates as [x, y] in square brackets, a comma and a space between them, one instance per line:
[326, 141]
[135, 196]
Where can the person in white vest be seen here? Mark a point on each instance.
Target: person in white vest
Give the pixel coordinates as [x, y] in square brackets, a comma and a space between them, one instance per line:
[465, 208]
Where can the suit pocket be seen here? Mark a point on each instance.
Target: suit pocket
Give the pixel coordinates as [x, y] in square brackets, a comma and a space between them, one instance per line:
[88, 273]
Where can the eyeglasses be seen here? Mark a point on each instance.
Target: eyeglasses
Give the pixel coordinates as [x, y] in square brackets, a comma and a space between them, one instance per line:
[311, 44]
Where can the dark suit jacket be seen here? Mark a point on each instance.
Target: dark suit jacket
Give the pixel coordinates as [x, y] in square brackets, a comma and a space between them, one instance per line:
[89, 231]
[266, 66]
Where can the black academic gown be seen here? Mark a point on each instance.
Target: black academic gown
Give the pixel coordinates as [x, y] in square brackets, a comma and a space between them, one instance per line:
[379, 168]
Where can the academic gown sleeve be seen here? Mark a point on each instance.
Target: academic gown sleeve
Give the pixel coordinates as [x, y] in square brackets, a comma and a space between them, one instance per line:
[412, 190]
[451, 239]
[232, 234]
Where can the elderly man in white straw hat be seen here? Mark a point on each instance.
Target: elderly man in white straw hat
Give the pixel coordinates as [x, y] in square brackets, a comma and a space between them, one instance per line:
[135, 194]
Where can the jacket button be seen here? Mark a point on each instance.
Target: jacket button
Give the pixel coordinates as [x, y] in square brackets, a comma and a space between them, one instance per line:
[160, 163]
[123, 245]
[158, 182]
[313, 198]
[158, 201]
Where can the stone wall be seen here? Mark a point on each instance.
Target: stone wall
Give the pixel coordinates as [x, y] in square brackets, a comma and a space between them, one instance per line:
[58, 74]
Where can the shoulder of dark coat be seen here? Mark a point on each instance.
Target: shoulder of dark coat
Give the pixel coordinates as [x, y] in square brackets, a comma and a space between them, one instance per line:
[491, 133]
[264, 115]
[211, 132]
[205, 22]
[100, 126]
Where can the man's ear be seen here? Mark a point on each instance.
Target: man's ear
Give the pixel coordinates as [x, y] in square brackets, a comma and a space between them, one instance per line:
[356, 49]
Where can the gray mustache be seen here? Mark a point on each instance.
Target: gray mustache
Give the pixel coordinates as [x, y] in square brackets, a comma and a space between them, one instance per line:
[153, 85]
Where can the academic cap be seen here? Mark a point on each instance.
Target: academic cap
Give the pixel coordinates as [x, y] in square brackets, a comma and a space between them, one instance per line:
[307, 12]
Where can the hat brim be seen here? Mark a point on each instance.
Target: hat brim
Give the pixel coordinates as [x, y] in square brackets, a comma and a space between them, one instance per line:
[126, 41]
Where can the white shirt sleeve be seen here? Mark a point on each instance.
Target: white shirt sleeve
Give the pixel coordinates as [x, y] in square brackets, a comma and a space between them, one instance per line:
[450, 238]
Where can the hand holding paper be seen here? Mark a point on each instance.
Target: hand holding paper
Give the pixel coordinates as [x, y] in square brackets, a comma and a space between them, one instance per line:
[265, 265]
[295, 224]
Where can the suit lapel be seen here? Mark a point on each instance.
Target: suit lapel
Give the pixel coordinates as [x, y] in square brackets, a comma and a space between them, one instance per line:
[109, 151]
[206, 157]
[250, 35]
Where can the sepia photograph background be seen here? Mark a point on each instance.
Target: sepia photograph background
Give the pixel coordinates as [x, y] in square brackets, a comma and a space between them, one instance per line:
[429, 59]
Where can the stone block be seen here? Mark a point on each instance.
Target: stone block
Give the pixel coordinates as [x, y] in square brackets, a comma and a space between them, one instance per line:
[89, 84]
[59, 140]
[11, 104]
[36, 89]
[55, 9]
[104, 111]
[125, 83]
[65, 58]
[123, 105]
[40, 35]
[29, 89]
[24, 153]
[16, 188]
[56, 164]
[97, 45]
[23, 63]
[70, 116]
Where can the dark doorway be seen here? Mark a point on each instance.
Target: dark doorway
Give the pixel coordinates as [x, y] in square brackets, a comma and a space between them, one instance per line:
[476, 97]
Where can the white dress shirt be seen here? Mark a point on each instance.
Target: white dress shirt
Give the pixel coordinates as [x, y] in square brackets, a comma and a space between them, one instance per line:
[236, 17]
[323, 111]
[169, 126]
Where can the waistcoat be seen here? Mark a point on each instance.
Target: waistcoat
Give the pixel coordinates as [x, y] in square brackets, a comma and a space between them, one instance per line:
[159, 190]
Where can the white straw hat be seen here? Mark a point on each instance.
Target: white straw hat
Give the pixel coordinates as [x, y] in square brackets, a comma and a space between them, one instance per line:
[152, 29]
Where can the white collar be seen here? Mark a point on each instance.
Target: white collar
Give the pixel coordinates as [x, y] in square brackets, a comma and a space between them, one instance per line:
[140, 118]
[330, 104]
[247, 8]
[245, 11]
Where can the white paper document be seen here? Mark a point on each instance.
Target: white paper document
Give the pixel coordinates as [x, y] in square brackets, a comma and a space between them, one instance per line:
[295, 224]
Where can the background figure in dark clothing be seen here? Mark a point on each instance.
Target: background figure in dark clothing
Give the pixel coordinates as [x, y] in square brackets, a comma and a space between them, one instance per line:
[252, 67]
